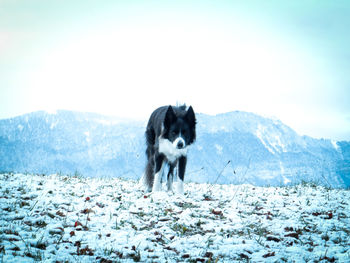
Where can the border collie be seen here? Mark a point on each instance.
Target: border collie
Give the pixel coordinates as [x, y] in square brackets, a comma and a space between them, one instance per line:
[170, 130]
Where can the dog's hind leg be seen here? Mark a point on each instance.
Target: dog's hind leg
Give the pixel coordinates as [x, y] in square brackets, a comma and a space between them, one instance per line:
[160, 163]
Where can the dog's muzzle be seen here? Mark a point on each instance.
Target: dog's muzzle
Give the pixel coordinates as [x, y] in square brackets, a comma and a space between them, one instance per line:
[179, 143]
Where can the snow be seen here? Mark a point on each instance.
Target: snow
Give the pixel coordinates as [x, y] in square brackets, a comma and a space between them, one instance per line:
[51, 112]
[218, 148]
[271, 139]
[286, 180]
[259, 134]
[335, 145]
[277, 144]
[105, 122]
[87, 135]
[59, 218]
[53, 125]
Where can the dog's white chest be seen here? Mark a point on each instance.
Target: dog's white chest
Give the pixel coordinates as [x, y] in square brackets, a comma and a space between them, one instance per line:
[170, 150]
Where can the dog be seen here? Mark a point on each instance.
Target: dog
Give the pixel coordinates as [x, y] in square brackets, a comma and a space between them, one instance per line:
[169, 133]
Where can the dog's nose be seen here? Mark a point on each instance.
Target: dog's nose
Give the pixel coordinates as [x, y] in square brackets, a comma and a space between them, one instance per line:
[180, 145]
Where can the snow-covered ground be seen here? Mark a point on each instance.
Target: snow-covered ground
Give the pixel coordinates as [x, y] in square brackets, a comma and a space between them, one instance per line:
[71, 219]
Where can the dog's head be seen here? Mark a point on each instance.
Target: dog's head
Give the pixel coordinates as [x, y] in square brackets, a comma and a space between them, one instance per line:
[180, 126]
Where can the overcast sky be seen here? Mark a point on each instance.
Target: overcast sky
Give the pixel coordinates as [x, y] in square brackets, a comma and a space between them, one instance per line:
[284, 59]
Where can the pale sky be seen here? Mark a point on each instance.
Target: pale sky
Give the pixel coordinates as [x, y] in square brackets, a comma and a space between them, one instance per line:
[284, 59]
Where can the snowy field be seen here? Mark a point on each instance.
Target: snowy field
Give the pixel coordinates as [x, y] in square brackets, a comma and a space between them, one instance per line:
[71, 219]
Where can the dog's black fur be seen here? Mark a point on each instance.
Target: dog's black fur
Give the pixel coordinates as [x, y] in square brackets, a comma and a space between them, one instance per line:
[170, 130]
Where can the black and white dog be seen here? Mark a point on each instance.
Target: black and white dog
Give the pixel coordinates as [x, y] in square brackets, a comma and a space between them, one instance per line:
[170, 130]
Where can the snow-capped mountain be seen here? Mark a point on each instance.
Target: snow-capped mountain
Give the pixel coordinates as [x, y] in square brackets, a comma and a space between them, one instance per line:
[235, 147]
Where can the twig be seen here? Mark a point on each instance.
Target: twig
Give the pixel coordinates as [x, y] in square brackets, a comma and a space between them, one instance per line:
[245, 173]
[217, 178]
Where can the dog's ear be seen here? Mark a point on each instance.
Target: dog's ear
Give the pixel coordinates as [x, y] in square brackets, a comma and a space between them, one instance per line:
[170, 117]
[192, 120]
[190, 116]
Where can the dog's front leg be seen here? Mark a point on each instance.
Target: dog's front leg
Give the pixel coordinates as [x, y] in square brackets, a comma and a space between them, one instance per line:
[170, 177]
[160, 163]
[181, 175]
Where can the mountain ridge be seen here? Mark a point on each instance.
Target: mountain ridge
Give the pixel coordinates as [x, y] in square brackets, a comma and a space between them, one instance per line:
[235, 147]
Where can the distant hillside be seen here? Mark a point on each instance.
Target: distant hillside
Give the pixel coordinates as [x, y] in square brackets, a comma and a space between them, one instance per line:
[235, 147]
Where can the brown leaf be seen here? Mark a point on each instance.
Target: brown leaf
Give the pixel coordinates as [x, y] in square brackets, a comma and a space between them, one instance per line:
[218, 213]
[86, 251]
[77, 223]
[242, 255]
[164, 219]
[171, 249]
[60, 228]
[59, 213]
[100, 205]
[208, 254]
[77, 244]
[258, 208]
[294, 235]
[270, 254]
[86, 211]
[330, 215]
[272, 238]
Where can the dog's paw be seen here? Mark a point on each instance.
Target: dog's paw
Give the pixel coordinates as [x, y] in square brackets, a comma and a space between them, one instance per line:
[157, 187]
[157, 184]
[179, 187]
[142, 185]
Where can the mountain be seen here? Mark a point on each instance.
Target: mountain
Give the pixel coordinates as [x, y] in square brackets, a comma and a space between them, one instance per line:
[235, 147]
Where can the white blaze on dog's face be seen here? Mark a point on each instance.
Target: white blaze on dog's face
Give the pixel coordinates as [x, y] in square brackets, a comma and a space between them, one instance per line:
[179, 143]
